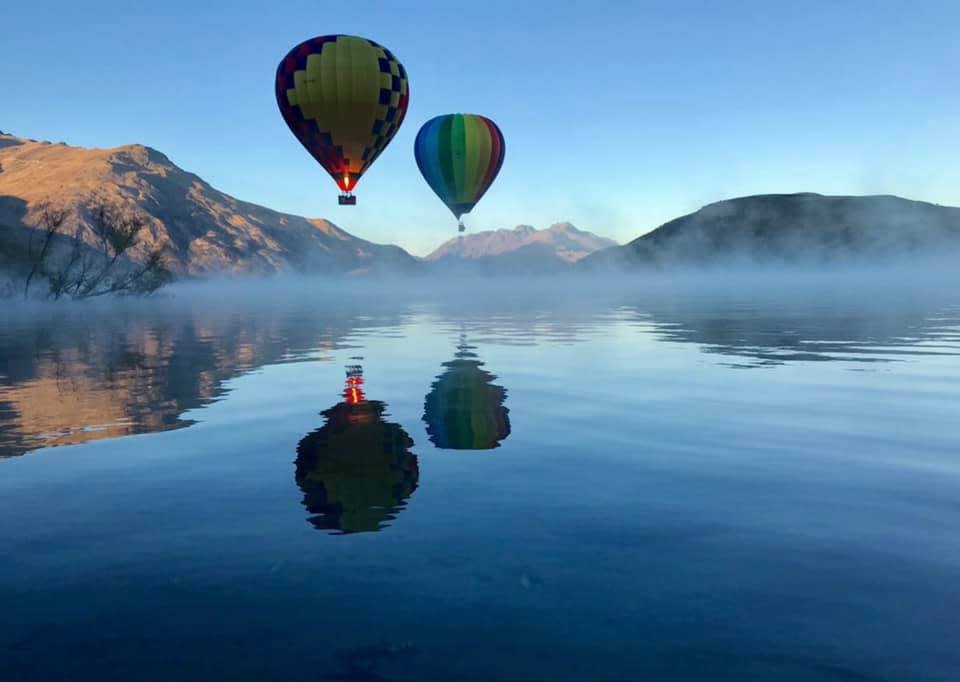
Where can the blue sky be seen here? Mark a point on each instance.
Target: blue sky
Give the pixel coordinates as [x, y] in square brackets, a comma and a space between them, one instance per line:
[617, 115]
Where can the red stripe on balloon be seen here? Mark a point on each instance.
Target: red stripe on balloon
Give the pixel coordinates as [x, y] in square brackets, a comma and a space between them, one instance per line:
[496, 156]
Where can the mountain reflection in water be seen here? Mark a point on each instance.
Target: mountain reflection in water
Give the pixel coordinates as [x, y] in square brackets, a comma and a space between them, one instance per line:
[76, 376]
[72, 376]
[356, 471]
[464, 409]
[757, 335]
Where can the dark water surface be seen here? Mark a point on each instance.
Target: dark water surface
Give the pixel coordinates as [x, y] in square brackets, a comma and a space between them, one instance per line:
[649, 485]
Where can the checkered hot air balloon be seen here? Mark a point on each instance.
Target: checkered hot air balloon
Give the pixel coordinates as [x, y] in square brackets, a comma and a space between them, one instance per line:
[344, 98]
[459, 156]
[356, 471]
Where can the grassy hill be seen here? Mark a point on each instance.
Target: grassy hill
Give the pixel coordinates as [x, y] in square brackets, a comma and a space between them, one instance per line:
[794, 228]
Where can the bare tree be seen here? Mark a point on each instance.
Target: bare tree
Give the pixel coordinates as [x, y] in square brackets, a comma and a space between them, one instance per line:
[96, 260]
[38, 248]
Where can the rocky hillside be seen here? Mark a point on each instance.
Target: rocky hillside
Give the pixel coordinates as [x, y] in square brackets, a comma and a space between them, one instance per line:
[203, 230]
[558, 245]
[797, 228]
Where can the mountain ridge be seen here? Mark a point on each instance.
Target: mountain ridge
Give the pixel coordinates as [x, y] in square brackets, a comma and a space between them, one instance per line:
[803, 227]
[203, 231]
[563, 240]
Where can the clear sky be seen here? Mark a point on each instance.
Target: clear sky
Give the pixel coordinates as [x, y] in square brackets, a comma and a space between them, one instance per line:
[617, 115]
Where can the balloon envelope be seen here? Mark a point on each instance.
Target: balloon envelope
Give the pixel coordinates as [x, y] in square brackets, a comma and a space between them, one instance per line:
[344, 98]
[356, 471]
[464, 409]
[459, 156]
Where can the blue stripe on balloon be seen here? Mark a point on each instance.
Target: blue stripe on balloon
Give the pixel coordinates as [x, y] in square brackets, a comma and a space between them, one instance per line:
[426, 151]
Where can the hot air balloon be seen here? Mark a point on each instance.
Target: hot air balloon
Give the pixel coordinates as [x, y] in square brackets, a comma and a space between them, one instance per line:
[459, 156]
[356, 471]
[344, 98]
[464, 409]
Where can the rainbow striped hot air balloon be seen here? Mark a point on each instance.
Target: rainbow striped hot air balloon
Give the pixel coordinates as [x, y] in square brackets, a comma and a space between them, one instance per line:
[464, 409]
[459, 156]
[344, 98]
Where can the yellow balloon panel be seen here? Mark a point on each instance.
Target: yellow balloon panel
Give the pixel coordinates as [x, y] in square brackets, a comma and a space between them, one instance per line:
[354, 91]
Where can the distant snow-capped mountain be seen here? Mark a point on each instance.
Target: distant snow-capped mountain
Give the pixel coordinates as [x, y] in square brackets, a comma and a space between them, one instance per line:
[557, 245]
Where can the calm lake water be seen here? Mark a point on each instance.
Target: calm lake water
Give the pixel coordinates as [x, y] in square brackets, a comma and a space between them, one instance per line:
[670, 482]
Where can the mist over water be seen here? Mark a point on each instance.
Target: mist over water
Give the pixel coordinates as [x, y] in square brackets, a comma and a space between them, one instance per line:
[717, 474]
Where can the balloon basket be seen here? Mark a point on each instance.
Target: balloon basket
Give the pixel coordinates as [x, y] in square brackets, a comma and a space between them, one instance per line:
[460, 227]
[347, 200]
